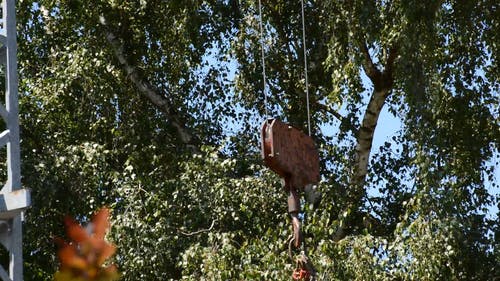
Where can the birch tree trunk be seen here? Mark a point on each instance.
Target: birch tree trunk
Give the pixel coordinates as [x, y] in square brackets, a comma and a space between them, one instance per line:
[382, 85]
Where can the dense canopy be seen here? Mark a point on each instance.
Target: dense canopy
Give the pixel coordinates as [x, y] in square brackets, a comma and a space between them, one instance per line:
[152, 108]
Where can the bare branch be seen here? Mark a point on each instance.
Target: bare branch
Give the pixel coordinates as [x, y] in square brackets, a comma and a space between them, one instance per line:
[198, 231]
[327, 109]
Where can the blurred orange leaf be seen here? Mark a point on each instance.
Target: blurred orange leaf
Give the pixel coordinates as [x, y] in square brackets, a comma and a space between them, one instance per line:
[100, 223]
[75, 232]
[83, 257]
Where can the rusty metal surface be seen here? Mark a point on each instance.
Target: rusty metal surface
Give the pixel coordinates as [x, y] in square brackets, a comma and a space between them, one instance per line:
[290, 153]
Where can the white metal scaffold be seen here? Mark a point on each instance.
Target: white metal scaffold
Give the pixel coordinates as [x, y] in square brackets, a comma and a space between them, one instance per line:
[13, 198]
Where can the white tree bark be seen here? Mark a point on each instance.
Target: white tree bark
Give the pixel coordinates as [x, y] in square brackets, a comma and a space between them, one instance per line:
[365, 136]
[382, 84]
[152, 93]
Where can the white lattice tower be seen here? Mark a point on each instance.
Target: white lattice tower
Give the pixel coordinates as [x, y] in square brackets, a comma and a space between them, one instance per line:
[13, 198]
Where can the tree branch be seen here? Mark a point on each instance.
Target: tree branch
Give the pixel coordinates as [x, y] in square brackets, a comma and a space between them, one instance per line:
[387, 77]
[152, 93]
[370, 69]
[198, 231]
[329, 110]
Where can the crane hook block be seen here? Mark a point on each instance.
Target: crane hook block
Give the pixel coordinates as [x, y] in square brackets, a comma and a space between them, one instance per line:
[290, 153]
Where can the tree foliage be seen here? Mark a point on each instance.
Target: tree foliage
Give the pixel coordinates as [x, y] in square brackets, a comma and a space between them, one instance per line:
[153, 107]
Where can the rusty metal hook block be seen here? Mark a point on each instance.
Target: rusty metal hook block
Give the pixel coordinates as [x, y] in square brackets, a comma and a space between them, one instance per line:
[290, 153]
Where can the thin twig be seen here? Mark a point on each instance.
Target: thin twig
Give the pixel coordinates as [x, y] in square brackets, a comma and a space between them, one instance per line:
[338, 116]
[199, 231]
[330, 110]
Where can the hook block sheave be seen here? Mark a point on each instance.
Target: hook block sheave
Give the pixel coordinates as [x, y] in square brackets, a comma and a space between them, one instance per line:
[290, 153]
